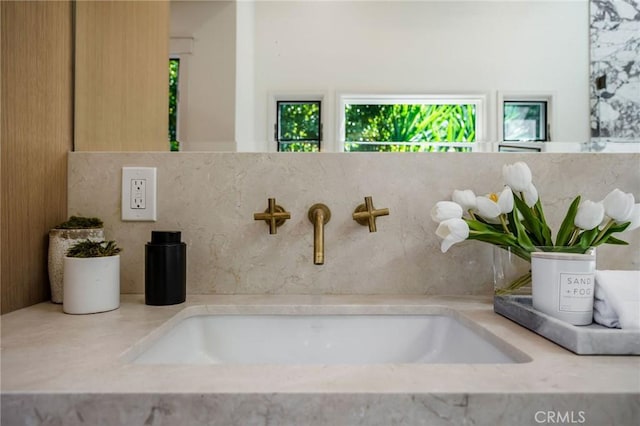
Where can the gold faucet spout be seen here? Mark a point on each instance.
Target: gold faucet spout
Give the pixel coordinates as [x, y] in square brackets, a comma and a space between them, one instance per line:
[319, 215]
[318, 238]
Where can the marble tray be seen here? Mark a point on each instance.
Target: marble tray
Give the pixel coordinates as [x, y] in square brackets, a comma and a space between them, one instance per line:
[591, 339]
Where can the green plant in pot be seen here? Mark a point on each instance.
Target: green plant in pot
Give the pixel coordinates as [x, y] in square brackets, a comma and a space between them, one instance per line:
[90, 248]
[91, 277]
[61, 238]
[79, 222]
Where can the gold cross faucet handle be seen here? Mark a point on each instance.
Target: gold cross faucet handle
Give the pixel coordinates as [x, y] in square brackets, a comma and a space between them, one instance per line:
[274, 215]
[365, 214]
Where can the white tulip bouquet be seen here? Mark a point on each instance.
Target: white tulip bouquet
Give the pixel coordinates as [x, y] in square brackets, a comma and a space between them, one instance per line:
[514, 219]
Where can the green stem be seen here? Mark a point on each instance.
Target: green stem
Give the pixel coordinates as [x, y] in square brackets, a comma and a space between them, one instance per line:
[574, 236]
[515, 285]
[503, 221]
[602, 232]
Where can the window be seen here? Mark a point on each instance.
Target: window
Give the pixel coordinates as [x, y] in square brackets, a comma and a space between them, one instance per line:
[524, 120]
[174, 72]
[525, 116]
[180, 49]
[298, 125]
[408, 123]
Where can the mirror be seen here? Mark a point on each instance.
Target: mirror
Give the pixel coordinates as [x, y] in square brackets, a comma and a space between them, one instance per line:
[236, 56]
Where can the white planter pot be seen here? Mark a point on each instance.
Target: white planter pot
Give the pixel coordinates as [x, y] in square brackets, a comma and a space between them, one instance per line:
[563, 285]
[91, 284]
[60, 240]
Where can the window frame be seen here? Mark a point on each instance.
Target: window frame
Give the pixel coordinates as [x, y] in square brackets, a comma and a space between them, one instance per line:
[181, 47]
[547, 97]
[179, 112]
[272, 120]
[276, 130]
[542, 118]
[479, 100]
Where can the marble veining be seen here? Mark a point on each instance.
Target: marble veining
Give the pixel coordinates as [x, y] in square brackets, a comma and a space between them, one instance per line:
[320, 409]
[211, 198]
[615, 43]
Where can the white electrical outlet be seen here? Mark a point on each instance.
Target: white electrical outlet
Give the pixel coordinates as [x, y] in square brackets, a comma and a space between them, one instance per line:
[139, 193]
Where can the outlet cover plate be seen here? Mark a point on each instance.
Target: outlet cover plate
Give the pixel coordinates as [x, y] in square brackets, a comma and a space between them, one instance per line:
[139, 194]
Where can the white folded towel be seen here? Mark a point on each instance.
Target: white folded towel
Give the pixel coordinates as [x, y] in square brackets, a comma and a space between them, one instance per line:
[617, 299]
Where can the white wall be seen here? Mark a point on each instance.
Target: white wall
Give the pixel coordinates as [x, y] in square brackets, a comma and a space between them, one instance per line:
[422, 47]
[208, 112]
[245, 78]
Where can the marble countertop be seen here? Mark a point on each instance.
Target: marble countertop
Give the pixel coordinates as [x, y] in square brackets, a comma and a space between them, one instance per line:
[46, 351]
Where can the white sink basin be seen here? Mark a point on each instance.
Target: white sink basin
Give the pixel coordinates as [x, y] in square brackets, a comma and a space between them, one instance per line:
[444, 337]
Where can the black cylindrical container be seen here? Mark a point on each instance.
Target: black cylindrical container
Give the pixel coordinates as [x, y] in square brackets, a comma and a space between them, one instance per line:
[165, 271]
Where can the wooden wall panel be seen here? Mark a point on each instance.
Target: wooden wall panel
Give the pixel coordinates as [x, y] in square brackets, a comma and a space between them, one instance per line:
[36, 134]
[122, 76]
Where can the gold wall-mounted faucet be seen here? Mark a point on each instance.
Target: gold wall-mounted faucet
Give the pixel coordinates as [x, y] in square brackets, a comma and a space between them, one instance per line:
[319, 215]
[365, 214]
[274, 215]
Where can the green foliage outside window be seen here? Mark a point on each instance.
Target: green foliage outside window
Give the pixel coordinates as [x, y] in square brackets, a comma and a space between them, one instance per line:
[408, 123]
[174, 69]
[299, 147]
[376, 127]
[298, 126]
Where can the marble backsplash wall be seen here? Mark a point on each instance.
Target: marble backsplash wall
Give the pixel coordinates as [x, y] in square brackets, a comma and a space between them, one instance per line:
[615, 69]
[211, 198]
